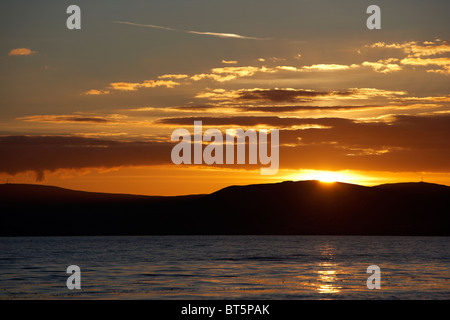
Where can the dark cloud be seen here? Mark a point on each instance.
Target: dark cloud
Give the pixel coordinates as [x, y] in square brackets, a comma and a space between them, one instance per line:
[333, 157]
[68, 118]
[245, 121]
[50, 153]
[196, 107]
[405, 143]
[285, 95]
[306, 108]
[42, 141]
[402, 132]
[82, 119]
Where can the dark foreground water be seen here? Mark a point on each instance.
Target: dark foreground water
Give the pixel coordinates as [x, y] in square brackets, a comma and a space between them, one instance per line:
[225, 267]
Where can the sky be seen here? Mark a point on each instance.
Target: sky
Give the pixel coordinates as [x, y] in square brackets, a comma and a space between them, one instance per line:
[94, 109]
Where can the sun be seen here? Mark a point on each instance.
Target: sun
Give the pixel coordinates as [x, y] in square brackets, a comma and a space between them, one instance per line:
[328, 176]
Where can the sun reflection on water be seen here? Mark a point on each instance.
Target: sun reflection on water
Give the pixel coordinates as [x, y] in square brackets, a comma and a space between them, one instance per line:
[327, 281]
[327, 273]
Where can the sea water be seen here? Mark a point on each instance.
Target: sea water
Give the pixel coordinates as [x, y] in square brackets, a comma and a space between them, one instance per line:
[225, 267]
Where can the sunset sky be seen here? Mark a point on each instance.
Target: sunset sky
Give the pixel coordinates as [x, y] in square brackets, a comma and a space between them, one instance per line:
[94, 109]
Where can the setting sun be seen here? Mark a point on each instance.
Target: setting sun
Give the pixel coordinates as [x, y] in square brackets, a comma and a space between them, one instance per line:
[329, 176]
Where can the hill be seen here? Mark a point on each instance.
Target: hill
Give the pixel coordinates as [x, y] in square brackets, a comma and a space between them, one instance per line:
[301, 207]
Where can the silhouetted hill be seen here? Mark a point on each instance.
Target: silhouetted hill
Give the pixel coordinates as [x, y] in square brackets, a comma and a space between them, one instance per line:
[41, 193]
[302, 207]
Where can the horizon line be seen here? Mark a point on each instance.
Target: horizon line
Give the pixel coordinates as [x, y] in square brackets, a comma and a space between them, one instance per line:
[233, 185]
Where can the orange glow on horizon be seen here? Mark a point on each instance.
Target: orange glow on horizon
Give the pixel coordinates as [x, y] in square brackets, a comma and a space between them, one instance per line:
[172, 180]
[330, 176]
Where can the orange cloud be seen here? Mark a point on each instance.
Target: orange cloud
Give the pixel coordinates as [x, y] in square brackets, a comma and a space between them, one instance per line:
[445, 71]
[326, 67]
[21, 52]
[159, 83]
[173, 76]
[133, 86]
[383, 66]
[288, 68]
[445, 98]
[229, 61]
[440, 62]
[125, 86]
[416, 55]
[230, 73]
[427, 61]
[96, 92]
[428, 50]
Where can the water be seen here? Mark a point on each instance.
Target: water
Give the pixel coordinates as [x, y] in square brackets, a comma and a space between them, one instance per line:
[225, 267]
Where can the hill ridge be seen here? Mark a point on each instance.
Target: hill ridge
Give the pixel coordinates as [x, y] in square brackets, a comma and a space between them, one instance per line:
[288, 207]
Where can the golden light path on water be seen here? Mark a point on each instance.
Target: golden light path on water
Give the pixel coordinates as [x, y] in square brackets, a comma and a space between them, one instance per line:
[327, 273]
[327, 279]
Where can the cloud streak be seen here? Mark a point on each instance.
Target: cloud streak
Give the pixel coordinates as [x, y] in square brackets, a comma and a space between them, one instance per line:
[203, 33]
[72, 119]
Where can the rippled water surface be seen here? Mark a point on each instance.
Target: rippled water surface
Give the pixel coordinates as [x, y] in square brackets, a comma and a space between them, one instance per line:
[225, 267]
